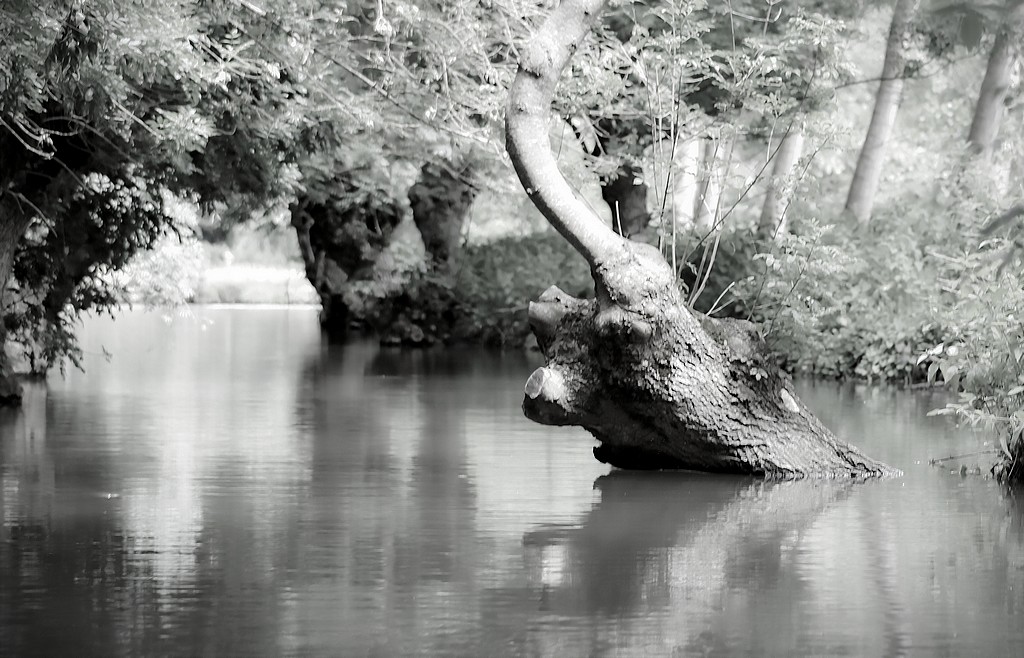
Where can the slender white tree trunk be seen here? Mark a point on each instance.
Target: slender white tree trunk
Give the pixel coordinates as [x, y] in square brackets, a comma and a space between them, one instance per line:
[709, 187]
[861, 198]
[989, 110]
[684, 190]
[680, 197]
[780, 186]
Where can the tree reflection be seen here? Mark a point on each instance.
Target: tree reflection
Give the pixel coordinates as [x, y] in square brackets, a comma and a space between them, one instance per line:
[49, 550]
[681, 547]
[151, 510]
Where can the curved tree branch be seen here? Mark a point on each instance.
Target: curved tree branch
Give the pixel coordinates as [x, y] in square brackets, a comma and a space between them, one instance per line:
[526, 131]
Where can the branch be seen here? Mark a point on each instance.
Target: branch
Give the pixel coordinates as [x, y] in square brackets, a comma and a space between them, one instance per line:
[526, 128]
[940, 460]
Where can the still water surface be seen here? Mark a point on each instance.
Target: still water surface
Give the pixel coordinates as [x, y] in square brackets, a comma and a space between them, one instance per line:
[228, 485]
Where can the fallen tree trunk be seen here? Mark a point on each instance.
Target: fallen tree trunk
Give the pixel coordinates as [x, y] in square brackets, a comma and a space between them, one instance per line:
[658, 385]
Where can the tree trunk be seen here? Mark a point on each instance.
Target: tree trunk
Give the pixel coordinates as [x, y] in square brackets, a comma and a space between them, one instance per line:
[989, 111]
[674, 177]
[709, 187]
[12, 228]
[627, 200]
[334, 313]
[340, 242]
[780, 186]
[685, 187]
[861, 198]
[440, 202]
[657, 385]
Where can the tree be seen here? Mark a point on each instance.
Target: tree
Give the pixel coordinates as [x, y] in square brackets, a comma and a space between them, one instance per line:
[82, 168]
[861, 197]
[780, 186]
[440, 201]
[103, 112]
[421, 83]
[658, 385]
[342, 225]
[996, 83]
[744, 60]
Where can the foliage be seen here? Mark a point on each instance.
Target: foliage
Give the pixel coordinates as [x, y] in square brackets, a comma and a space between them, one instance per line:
[100, 110]
[842, 303]
[65, 269]
[982, 356]
[332, 109]
[498, 279]
[166, 275]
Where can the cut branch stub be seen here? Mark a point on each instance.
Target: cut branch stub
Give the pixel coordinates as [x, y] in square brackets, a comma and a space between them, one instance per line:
[548, 399]
[547, 311]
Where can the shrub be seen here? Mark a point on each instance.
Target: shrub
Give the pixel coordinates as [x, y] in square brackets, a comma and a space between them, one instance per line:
[485, 299]
[849, 303]
[983, 356]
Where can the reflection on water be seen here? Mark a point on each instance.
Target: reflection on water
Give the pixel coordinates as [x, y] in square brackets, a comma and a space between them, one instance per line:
[230, 486]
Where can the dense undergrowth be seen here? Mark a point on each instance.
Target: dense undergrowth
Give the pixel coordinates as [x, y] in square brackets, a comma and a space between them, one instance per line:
[482, 300]
[927, 294]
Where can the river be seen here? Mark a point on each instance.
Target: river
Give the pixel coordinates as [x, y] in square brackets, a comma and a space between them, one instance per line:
[227, 484]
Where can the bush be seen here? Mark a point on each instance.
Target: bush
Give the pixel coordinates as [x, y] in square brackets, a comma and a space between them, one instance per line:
[485, 299]
[983, 356]
[849, 303]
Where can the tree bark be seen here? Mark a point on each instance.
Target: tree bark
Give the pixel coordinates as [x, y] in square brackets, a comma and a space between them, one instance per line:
[334, 313]
[440, 202]
[861, 197]
[340, 242]
[526, 131]
[657, 385]
[780, 186]
[988, 113]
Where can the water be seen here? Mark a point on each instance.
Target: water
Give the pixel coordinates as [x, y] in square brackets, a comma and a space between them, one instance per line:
[229, 486]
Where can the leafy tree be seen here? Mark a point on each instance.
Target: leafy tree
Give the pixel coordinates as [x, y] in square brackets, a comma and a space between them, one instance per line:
[103, 106]
[78, 122]
[657, 385]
